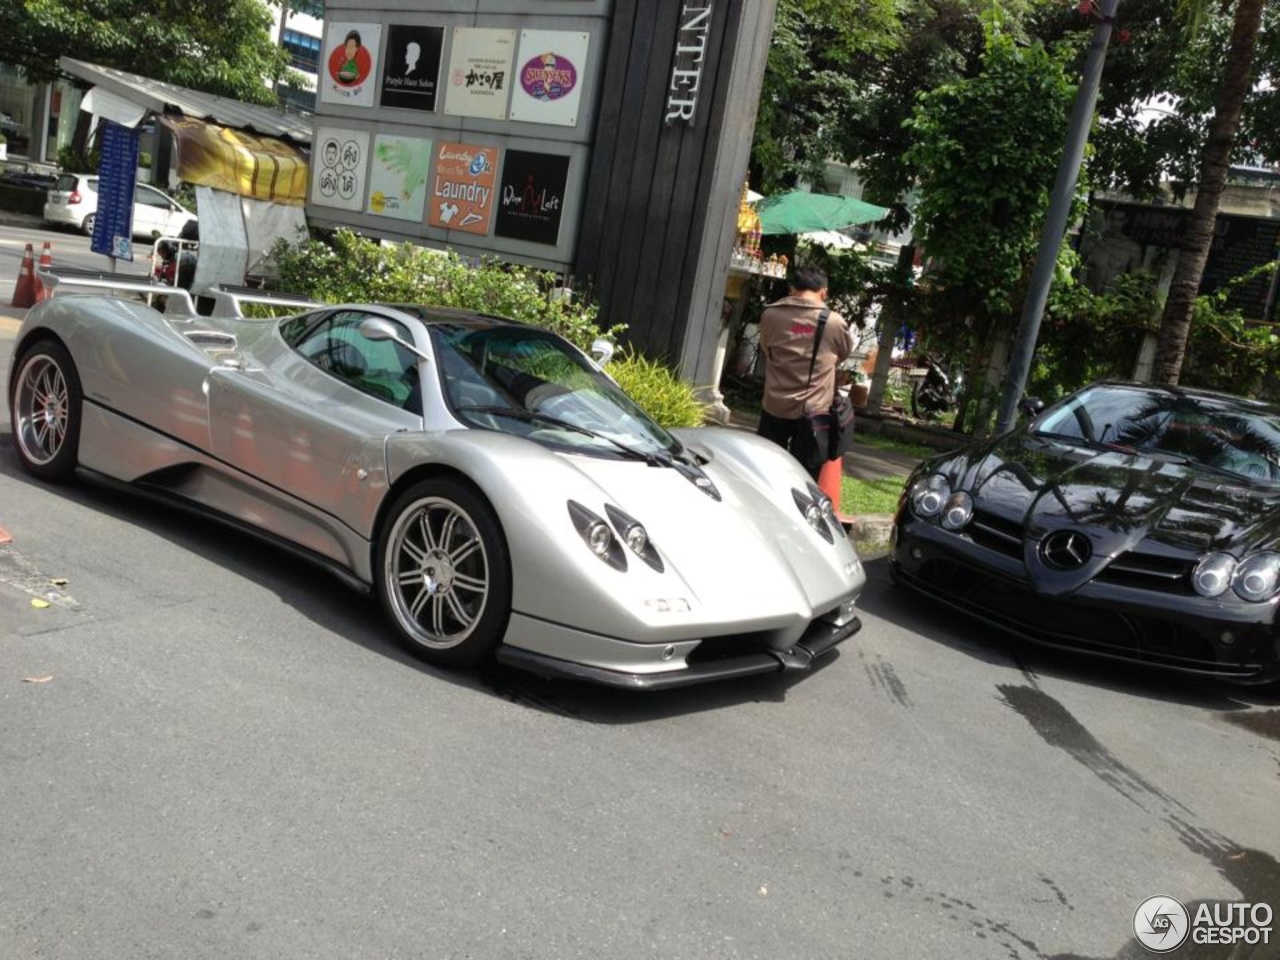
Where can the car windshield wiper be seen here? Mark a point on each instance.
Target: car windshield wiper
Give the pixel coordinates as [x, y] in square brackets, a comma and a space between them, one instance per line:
[654, 458]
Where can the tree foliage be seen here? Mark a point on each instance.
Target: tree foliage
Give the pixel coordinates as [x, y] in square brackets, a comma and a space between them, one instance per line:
[811, 93]
[225, 48]
[984, 153]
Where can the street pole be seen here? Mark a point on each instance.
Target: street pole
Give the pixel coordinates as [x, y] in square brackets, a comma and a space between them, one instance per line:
[1055, 225]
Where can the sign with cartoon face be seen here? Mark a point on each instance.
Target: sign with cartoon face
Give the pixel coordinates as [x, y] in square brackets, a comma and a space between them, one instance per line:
[398, 177]
[548, 82]
[463, 188]
[411, 71]
[531, 200]
[480, 72]
[338, 163]
[347, 67]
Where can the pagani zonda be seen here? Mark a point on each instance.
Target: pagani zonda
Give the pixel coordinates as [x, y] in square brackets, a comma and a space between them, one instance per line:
[1130, 521]
[485, 478]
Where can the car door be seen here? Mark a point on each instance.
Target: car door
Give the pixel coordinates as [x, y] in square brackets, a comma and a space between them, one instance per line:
[313, 421]
[151, 212]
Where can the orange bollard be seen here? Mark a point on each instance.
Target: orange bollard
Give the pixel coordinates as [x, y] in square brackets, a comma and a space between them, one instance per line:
[829, 478]
[24, 292]
[46, 260]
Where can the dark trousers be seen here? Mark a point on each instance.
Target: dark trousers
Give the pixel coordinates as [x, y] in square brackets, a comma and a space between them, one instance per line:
[783, 431]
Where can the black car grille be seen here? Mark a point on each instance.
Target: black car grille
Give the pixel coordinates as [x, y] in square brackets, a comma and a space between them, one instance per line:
[996, 533]
[1149, 571]
[1147, 638]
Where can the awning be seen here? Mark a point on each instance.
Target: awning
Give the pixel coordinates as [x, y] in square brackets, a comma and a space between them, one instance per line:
[167, 98]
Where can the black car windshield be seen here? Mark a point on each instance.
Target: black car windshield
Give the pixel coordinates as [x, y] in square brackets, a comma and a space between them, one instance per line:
[1225, 434]
[531, 383]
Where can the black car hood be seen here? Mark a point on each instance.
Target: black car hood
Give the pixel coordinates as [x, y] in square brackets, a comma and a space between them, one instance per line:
[1120, 497]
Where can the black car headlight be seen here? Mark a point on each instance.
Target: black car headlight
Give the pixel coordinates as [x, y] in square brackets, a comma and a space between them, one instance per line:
[929, 495]
[957, 511]
[1256, 577]
[1212, 575]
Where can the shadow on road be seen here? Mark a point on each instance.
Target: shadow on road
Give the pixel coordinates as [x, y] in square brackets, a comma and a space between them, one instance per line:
[359, 618]
[939, 624]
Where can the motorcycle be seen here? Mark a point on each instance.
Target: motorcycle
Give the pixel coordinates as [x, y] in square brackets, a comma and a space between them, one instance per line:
[935, 388]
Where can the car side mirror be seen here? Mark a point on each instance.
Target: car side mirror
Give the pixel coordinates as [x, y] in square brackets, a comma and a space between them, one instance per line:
[377, 329]
[1031, 406]
[601, 351]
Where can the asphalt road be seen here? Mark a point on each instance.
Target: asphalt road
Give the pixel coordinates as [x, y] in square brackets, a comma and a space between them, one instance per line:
[209, 750]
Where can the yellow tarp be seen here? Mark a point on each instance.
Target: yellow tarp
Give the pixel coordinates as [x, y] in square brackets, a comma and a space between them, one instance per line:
[264, 168]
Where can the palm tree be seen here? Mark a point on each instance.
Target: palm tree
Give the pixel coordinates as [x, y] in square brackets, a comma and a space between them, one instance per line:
[1175, 325]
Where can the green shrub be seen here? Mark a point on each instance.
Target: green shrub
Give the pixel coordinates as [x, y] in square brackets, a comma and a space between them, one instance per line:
[659, 392]
[71, 160]
[348, 268]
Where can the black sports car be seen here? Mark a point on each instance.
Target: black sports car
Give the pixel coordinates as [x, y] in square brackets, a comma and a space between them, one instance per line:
[1130, 521]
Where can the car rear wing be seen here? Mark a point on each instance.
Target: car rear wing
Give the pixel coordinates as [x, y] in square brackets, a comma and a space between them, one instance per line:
[228, 300]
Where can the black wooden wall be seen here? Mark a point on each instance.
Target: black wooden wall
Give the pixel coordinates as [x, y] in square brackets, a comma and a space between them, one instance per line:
[661, 198]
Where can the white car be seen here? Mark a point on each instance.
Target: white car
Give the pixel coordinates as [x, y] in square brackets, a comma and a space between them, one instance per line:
[74, 202]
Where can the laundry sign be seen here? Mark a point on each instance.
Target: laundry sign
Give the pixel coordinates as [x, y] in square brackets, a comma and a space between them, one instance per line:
[462, 191]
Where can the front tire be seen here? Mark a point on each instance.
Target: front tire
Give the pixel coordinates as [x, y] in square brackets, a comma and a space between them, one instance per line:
[45, 408]
[443, 573]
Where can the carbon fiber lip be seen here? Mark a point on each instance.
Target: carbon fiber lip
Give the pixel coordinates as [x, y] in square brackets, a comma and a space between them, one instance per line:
[819, 640]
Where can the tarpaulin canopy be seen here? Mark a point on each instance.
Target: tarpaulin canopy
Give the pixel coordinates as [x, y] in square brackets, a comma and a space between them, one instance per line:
[265, 168]
[801, 212]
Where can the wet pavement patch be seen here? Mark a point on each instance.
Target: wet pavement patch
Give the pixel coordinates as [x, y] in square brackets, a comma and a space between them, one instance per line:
[1058, 728]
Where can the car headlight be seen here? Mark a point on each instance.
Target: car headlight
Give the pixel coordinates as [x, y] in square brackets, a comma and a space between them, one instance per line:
[1212, 575]
[636, 539]
[599, 538]
[816, 507]
[957, 511]
[929, 495]
[597, 535]
[1256, 577]
[634, 535]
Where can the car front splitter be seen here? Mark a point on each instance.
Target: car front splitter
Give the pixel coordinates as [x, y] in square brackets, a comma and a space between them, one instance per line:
[818, 640]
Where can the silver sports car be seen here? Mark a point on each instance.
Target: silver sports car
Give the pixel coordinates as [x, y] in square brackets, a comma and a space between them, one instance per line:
[485, 478]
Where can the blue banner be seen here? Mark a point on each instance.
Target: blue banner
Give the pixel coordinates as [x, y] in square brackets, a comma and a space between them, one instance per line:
[117, 173]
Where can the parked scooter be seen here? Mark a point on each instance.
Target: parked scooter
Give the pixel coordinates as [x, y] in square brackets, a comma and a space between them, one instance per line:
[935, 389]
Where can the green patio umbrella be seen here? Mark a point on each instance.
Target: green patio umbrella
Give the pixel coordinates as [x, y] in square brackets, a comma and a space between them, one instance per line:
[799, 211]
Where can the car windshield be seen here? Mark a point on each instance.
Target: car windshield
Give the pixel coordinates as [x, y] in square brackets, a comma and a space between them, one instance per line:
[1225, 434]
[531, 383]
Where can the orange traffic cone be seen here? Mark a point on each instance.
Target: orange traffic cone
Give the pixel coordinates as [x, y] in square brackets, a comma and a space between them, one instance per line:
[829, 478]
[24, 292]
[46, 260]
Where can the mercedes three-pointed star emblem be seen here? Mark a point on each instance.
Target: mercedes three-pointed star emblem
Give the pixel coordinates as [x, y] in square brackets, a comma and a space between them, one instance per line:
[1066, 550]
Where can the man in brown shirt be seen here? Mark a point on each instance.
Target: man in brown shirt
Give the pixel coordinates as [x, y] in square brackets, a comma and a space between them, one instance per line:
[796, 382]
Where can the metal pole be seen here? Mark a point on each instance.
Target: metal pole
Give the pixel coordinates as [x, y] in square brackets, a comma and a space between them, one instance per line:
[1055, 225]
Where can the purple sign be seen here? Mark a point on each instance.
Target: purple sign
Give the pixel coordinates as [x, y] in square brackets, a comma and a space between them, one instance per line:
[548, 77]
